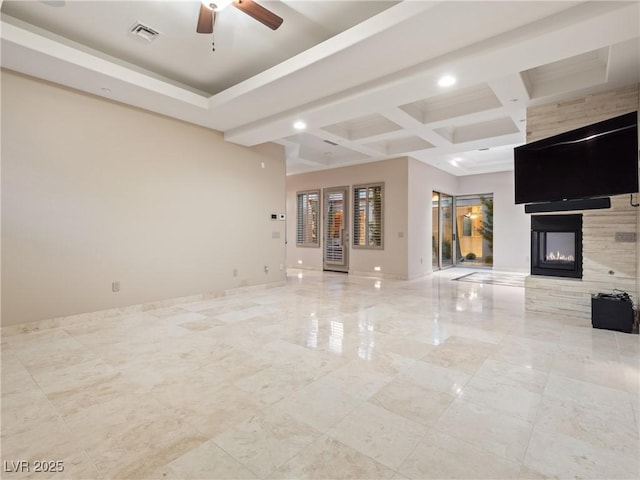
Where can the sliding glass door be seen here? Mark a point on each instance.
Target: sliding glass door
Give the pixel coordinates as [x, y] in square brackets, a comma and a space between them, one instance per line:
[474, 223]
[447, 244]
[435, 228]
[443, 238]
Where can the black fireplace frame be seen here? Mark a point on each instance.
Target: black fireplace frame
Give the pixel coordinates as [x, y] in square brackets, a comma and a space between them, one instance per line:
[541, 224]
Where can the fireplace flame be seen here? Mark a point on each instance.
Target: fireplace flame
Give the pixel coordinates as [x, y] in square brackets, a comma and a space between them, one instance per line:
[557, 256]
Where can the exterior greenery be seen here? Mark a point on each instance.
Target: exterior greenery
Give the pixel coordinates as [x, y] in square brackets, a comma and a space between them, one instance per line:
[487, 221]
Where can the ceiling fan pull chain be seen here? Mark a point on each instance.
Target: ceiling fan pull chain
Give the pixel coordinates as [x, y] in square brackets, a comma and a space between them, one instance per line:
[213, 43]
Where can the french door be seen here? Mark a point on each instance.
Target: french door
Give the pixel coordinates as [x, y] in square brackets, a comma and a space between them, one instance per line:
[443, 239]
[474, 225]
[336, 229]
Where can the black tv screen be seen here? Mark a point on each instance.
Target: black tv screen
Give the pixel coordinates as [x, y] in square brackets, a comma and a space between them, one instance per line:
[594, 161]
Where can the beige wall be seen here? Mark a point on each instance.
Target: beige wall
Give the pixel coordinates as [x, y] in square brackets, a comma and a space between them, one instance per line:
[94, 191]
[423, 180]
[409, 184]
[393, 259]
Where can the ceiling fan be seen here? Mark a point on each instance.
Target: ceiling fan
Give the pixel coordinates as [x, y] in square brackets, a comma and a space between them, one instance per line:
[208, 11]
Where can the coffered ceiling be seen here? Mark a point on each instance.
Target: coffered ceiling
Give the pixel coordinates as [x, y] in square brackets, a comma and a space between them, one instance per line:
[363, 76]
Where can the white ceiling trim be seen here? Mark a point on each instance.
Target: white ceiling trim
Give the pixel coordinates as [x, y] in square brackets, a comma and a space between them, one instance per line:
[17, 35]
[379, 23]
[506, 55]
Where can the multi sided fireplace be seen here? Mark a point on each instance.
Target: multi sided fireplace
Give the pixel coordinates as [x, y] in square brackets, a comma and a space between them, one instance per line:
[556, 245]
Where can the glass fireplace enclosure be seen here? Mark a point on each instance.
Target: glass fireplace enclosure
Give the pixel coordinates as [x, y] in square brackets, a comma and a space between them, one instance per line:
[556, 245]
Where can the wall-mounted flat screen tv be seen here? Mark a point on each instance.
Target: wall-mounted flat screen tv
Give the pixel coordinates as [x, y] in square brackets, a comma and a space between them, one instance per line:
[594, 161]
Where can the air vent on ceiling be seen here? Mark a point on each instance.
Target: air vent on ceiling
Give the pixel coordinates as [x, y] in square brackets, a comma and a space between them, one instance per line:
[330, 142]
[143, 31]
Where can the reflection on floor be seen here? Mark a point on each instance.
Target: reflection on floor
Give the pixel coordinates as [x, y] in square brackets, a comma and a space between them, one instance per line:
[494, 278]
[330, 376]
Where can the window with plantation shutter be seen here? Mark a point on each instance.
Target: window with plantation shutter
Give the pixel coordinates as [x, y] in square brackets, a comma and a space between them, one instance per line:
[368, 216]
[307, 219]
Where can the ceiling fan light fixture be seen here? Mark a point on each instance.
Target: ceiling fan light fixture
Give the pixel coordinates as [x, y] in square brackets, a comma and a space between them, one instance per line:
[219, 5]
[209, 9]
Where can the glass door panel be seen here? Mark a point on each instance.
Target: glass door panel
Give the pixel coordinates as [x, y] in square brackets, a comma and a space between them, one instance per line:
[443, 245]
[336, 237]
[474, 222]
[435, 229]
[447, 245]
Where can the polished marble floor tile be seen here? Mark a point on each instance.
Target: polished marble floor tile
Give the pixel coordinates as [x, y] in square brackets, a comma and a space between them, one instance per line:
[596, 426]
[487, 428]
[439, 456]
[568, 391]
[266, 441]
[378, 433]
[327, 458]
[413, 401]
[522, 375]
[435, 377]
[529, 353]
[204, 462]
[321, 404]
[558, 455]
[460, 353]
[509, 396]
[329, 376]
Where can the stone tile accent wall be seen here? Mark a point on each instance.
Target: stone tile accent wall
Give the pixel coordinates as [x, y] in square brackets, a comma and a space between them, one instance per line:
[607, 264]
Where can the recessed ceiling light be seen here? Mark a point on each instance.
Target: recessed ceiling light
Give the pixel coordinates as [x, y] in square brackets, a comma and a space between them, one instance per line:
[446, 81]
[106, 89]
[299, 125]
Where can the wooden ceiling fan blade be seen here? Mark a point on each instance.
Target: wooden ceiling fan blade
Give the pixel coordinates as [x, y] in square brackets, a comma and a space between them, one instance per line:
[258, 12]
[205, 19]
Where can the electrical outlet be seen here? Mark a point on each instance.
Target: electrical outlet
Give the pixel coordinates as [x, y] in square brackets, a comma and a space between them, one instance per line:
[235, 272]
[266, 269]
[115, 286]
